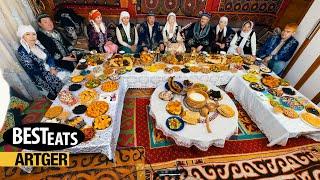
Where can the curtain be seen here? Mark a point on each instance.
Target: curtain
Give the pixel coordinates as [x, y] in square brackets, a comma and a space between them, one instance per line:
[12, 14]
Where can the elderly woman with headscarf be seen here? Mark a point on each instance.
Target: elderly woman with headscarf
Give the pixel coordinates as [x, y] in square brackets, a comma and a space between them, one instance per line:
[171, 35]
[244, 41]
[223, 36]
[38, 64]
[127, 34]
[97, 33]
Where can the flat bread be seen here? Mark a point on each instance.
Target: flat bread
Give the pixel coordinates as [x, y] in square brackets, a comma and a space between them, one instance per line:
[226, 111]
[191, 117]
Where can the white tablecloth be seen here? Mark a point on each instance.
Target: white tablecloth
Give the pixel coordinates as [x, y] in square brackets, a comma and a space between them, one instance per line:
[153, 79]
[277, 127]
[222, 128]
[105, 141]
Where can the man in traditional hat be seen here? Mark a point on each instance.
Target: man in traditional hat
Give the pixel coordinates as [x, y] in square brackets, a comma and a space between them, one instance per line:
[279, 49]
[150, 36]
[200, 34]
[222, 36]
[58, 47]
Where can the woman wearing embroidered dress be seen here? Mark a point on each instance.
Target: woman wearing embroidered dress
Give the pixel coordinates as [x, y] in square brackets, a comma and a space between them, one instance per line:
[36, 61]
[244, 41]
[97, 33]
[171, 35]
[127, 34]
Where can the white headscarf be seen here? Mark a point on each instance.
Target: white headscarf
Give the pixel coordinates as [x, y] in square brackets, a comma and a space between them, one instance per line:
[222, 19]
[122, 15]
[38, 50]
[166, 27]
[245, 35]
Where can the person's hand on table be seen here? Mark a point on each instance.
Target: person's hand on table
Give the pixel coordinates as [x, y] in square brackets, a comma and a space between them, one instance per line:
[266, 60]
[238, 50]
[199, 48]
[133, 48]
[222, 46]
[161, 47]
[145, 49]
[69, 58]
[53, 71]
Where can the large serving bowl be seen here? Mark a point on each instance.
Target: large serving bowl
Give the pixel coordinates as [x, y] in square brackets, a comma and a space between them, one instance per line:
[196, 98]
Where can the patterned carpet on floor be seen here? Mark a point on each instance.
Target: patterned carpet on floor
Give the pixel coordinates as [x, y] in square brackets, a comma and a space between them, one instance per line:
[245, 155]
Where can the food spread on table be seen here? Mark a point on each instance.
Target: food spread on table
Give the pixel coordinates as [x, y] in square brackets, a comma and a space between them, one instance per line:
[190, 103]
[196, 105]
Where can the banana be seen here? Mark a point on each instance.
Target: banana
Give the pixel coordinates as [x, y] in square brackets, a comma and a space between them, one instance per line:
[174, 87]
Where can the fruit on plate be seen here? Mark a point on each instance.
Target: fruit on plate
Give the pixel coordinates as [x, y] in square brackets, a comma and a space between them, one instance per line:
[166, 95]
[226, 110]
[77, 79]
[93, 83]
[311, 119]
[87, 96]
[290, 113]
[53, 112]
[110, 86]
[89, 133]
[173, 86]
[191, 117]
[97, 108]
[67, 98]
[270, 81]
[174, 107]
[291, 102]
[250, 77]
[102, 122]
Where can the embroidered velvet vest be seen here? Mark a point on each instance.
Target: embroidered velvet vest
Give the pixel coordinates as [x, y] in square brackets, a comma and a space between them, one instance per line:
[247, 47]
[124, 36]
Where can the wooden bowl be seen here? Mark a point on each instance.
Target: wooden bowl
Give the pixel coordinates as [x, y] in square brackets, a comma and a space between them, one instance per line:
[196, 98]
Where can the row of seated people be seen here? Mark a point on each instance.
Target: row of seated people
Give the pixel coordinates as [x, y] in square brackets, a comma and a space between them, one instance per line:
[48, 58]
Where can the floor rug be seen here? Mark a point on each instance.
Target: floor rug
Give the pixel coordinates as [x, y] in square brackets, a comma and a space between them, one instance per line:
[291, 163]
[129, 165]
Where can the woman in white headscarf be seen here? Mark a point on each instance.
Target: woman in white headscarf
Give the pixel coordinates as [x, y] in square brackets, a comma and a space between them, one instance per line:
[127, 34]
[38, 64]
[223, 36]
[171, 35]
[244, 41]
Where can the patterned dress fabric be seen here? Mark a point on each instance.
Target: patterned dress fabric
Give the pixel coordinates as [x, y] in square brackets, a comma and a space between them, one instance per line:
[97, 40]
[144, 36]
[278, 61]
[35, 68]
